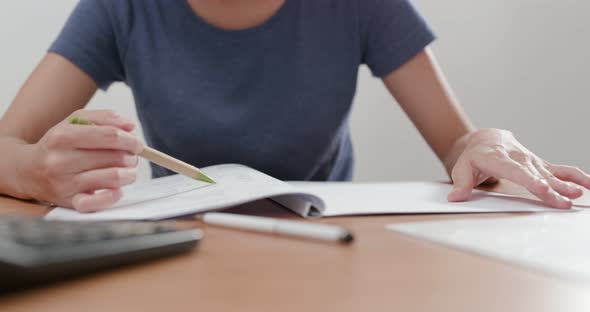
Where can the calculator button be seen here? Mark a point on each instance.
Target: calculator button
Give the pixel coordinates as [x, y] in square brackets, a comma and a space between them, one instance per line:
[142, 229]
[166, 226]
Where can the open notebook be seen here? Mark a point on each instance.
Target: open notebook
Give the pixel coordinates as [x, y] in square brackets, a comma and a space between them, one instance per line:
[177, 195]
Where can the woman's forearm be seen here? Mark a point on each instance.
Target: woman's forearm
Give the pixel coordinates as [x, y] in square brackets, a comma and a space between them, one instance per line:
[54, 89]
[424, 94]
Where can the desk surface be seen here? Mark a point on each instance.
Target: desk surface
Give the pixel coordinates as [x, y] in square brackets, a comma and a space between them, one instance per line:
[241, 271]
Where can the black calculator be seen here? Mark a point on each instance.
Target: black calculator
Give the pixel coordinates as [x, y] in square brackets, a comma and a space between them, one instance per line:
[34, 251]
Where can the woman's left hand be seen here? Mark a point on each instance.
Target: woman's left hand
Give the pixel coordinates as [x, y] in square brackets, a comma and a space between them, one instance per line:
[495, 153]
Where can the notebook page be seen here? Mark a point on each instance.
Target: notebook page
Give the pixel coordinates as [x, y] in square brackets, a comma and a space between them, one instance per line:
[345, 198]
[158, 188]
[236, 184]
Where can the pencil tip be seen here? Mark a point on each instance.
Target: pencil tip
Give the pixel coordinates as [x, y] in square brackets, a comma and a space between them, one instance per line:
[203, 177]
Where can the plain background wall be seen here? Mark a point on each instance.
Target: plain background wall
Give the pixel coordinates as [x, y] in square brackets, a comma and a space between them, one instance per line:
[516, 64]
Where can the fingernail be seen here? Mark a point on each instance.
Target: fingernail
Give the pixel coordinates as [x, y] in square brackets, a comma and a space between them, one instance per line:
[127, 175]
[117, 194]
[139, 147]
[566, 201]
[125, 121]
[131, 161]
[574, 187]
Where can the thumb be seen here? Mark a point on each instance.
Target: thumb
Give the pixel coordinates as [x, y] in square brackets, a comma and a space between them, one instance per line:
[463, 180]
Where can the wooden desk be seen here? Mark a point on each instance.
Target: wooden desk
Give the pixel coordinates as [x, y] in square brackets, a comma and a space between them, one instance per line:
[239, 271]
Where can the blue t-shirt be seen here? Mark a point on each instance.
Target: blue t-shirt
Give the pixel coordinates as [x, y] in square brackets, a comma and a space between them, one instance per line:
[275, 97]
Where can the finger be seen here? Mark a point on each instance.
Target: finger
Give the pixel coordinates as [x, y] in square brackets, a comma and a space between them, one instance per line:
[506, 168]
[566, 189]
[557, 188]
[571, 174]
[105, 117]
[463, 182]
[85, 160]
[109, 178]
[97, 201]
[95, 137]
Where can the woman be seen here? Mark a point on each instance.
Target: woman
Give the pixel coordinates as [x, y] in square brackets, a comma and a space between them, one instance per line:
[266, 83]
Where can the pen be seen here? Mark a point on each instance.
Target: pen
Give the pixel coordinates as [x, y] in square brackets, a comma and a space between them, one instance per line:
[160, 158]
[306, 230]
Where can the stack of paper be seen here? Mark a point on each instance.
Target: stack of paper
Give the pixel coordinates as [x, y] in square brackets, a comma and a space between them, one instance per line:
[557, 243]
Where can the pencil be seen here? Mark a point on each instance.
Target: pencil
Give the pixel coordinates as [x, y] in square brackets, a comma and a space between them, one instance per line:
[160, 158]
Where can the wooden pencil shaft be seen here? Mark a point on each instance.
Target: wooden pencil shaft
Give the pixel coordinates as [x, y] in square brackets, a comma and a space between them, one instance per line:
[169, 162]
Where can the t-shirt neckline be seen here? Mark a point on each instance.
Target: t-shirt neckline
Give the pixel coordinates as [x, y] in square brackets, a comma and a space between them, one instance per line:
[276, 17]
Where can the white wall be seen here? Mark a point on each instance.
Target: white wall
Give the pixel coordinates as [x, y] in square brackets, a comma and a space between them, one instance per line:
[516, 64]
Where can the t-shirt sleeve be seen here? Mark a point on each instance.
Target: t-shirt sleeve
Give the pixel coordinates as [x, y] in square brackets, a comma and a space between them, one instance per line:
[89, 40]
[393, 32]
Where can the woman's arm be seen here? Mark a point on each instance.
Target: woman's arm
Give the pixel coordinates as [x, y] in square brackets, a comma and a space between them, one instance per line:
[473, 156]
[45, 158]
[54, 90]
[423, 93]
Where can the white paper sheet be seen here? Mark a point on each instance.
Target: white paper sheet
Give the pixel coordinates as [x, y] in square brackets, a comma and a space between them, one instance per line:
[341, 198]
[557, 243]
[153, 200]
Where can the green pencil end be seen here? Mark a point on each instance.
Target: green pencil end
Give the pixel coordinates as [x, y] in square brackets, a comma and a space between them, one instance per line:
[80, 121]
[203, 177]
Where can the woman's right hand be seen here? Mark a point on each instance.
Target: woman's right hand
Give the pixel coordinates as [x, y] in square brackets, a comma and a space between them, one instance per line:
[85, 166]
